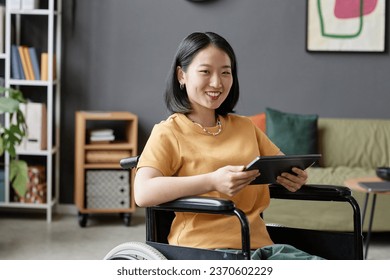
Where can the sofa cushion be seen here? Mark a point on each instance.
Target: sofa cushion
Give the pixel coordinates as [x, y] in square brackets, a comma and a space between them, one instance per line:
[354, 142]
[336, 175]
[294, 134]
[259, 121]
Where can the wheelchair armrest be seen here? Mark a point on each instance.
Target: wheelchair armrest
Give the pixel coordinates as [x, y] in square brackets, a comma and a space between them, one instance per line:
[312, 192]
[129, 163]
[207, 205]
[198, 204]
[326, 193]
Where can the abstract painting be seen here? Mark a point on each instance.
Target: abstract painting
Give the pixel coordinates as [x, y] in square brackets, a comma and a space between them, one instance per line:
[346, 25]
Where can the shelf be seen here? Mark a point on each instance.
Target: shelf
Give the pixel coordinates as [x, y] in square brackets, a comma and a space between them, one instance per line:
[37, 153]
[31, 82]
[107, 116]
[102, 166]
[48, 37]
[43, 12]
[29, 205]
[113, 146]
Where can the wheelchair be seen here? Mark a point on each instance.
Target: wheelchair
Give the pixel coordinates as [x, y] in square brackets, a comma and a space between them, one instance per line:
[327, 244]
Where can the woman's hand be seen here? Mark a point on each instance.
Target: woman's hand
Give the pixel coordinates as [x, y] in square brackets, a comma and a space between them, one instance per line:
[293, 182]
[152, 188]
[230, 180]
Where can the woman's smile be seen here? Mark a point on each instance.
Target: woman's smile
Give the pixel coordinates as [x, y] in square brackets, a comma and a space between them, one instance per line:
[213, 94]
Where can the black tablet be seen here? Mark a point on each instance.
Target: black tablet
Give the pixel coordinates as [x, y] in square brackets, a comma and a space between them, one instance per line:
[271, 167]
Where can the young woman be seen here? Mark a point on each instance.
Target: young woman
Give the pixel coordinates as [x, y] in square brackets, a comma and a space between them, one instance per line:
[202, 148]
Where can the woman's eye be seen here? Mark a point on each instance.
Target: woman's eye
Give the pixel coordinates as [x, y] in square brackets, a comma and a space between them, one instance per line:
[204, 71]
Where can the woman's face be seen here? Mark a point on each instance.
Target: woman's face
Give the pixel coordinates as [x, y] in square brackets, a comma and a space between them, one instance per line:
[208, 79]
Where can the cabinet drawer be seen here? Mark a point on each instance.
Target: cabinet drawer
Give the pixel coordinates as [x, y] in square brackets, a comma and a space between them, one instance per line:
[108, 202]
[106, 156]
[107, 177]
[108, 190]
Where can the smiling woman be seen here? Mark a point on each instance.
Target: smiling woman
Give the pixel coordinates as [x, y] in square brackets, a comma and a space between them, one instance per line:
[198, 150]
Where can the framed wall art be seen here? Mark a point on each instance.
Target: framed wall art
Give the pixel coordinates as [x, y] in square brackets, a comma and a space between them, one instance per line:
[346, 25]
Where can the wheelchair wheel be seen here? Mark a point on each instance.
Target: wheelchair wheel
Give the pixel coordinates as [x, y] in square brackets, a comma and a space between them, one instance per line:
[134, 251]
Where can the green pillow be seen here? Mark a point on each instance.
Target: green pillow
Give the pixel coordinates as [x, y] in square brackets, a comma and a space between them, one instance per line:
[294, 134]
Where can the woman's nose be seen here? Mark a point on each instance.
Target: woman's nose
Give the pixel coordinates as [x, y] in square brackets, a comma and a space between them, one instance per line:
[215, 81]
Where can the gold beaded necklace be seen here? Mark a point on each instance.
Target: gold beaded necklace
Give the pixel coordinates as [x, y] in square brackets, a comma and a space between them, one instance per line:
[208, 132]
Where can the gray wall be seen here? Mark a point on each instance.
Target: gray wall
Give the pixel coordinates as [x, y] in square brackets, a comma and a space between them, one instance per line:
[116, 55]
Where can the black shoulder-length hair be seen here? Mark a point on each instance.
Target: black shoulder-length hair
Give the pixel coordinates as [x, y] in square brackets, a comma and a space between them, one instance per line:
[177, 100]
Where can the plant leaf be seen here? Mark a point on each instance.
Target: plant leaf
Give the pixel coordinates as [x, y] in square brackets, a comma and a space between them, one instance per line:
[8, 105]
[18, 176]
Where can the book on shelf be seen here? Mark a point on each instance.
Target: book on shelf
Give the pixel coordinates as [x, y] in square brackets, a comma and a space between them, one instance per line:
[22, 75]
[23, 58]
[45, 66]
[29, 63]
[27, 59]
[104, 135]
[102, 132]
[15, 63]
[106, 139]
[35, 63]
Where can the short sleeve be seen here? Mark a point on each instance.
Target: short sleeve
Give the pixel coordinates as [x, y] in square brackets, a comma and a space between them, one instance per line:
[161, 151]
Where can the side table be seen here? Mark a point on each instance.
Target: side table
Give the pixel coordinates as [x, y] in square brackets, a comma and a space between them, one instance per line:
[355, 185]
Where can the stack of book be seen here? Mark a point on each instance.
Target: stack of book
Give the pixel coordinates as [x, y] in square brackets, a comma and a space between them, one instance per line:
[101, 136]
[25, 64]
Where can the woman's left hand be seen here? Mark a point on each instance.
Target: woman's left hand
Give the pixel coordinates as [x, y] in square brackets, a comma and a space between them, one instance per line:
[293, 182]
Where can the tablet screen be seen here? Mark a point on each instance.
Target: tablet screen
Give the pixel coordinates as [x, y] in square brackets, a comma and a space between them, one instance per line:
[271, 167]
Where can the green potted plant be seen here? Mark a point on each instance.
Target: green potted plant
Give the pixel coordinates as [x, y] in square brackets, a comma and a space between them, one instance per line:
[12, 136]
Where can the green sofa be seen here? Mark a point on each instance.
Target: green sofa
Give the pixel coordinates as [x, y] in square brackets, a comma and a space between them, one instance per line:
[350, 148]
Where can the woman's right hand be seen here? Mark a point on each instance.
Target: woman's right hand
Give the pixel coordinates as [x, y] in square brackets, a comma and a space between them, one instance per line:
[152, 188]
[230, 179]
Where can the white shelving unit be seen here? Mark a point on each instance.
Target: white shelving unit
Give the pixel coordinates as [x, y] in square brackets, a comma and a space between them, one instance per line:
[52, 98]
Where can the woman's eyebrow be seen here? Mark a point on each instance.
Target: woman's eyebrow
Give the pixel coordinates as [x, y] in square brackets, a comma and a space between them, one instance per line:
[208, 65]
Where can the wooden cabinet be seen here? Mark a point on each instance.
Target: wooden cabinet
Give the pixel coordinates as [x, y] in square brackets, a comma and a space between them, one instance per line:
[101, 186]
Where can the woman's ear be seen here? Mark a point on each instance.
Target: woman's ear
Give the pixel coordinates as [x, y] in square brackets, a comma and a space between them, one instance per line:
[180, 75]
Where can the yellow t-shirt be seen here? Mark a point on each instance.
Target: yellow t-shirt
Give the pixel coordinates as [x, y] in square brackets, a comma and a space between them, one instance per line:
[178, 147]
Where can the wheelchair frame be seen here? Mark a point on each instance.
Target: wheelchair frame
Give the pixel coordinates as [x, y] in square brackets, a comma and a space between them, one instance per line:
[158, 219]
